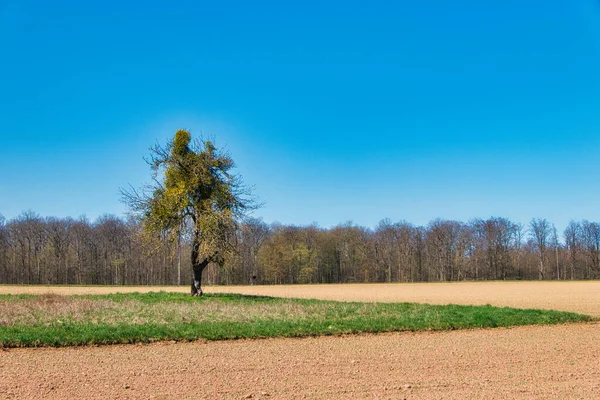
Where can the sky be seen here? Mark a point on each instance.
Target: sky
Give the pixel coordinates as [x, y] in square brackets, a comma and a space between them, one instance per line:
[333, 111]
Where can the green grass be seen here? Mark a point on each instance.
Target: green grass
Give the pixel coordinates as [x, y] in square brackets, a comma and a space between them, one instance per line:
[52, 320]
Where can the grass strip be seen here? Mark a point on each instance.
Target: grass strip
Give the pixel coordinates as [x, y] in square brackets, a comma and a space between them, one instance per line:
[53, 320]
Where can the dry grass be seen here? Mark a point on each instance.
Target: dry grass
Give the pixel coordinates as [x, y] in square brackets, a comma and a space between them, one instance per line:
[213, 311]
[52, 309]
[575, 296]
[48, 309]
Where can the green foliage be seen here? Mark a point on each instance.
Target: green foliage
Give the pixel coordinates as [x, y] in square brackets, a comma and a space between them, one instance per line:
[194, 186]
[135, 317]
[289, 258]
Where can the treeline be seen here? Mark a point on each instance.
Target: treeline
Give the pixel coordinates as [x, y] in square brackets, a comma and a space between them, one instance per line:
[113, 251]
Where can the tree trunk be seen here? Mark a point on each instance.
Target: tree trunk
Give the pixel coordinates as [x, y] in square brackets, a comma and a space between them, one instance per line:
[197, 266]
[179, 259]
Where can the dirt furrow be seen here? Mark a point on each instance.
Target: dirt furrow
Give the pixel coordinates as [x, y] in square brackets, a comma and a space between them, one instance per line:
[518, 363]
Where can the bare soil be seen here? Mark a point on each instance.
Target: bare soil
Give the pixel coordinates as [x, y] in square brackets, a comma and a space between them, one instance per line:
[519, 363]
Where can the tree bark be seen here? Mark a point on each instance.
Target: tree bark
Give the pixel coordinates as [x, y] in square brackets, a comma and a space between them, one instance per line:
[197, 266]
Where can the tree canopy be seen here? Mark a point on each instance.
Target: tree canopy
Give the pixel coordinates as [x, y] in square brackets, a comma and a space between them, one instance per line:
[193, 186]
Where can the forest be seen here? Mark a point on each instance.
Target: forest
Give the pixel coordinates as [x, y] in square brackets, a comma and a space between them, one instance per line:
[115, 251]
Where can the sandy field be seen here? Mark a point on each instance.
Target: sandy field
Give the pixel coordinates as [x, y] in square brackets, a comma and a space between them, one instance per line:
[549, 362]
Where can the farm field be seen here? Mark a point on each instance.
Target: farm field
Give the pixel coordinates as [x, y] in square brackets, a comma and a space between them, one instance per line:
[575, 296]
[518, 363]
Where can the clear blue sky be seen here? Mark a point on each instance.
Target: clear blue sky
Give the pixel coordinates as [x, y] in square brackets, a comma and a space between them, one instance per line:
[333, 110]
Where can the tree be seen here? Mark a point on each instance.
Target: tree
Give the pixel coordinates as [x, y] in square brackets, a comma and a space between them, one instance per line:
[591, 242]
[540, 230]
[251, 235]
[193, 184]
[386, 248]
[442, 239]
[496, 236]
[30, 234]
[573, 241]
[556, 248]
[59, 233]
[4, 251]
[113, 243]
[519, 231]
[82, 243]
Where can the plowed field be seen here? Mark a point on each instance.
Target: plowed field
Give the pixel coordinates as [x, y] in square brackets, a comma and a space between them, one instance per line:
[561, 362]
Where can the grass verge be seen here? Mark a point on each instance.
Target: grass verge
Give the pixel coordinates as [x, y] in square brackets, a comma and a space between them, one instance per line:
[53, 320]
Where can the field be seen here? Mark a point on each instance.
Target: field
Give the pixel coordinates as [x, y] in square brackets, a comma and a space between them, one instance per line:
[575, 296]
[561, 361]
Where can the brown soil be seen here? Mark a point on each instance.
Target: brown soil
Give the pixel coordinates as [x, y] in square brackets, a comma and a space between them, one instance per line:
[518, 363]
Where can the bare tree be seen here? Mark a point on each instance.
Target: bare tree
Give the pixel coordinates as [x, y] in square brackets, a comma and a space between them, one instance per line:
[496, 237]
[59, 235]
[386, 250]
[591, 241]
[556, 248]
[540, 231]
[573, 239]
[251, 235]
[29, 232]
[4, 251]
[442, 240]
[113, 241]
[82, 242]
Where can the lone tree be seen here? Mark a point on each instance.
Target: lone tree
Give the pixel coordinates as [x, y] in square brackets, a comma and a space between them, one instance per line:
[193, 186]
